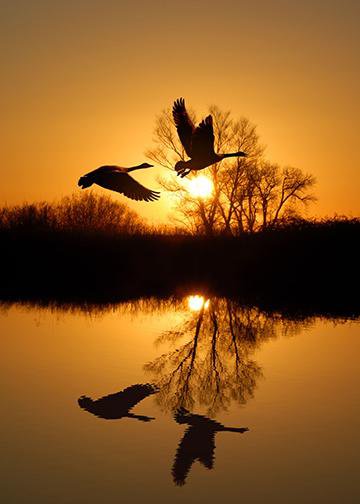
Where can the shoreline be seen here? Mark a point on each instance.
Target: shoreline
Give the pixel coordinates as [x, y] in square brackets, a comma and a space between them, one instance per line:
[309, 269]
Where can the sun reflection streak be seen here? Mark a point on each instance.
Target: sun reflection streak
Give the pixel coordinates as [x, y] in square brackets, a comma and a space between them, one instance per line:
[197, 302]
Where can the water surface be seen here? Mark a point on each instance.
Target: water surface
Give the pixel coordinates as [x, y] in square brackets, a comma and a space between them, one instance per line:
[211, 366]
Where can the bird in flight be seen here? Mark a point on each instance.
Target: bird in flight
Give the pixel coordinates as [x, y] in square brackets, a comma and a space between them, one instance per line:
[198, 142]
[198, 442]
[117, 178]
[118, 405]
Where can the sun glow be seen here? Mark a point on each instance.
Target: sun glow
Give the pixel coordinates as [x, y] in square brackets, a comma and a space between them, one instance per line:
[201, 187]
[196, 303]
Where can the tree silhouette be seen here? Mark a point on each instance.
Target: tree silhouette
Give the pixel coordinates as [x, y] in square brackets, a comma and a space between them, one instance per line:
[249, 193]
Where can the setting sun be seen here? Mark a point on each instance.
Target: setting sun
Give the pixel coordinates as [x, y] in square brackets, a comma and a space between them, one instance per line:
[201, 187]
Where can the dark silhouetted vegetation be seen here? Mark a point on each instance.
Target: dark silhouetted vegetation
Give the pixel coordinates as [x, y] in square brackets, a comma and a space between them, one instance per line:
[91, 249]
[80, 212]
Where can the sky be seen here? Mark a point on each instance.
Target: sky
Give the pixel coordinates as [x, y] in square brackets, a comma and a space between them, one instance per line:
[83, 81]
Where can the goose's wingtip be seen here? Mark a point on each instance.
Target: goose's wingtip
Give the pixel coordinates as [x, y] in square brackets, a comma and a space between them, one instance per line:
[179, 102]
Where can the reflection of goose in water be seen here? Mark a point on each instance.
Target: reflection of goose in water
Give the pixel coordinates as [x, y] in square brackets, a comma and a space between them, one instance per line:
[198, 443]
[118, 179]
[118, 405]
[197, 142]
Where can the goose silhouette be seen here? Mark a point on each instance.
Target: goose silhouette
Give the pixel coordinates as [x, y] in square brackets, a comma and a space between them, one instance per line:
[197, 142]
[118, 405]
[198, 443]
[117, 178]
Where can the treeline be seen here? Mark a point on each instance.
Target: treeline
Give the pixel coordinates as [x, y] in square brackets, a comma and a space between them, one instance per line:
[80, 212]
[90, 213]
[76, 252]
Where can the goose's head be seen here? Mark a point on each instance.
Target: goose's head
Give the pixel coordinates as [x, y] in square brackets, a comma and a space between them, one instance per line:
[85, 181]
[85, 402]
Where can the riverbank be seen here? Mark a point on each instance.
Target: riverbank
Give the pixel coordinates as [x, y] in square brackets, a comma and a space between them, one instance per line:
[304, 266]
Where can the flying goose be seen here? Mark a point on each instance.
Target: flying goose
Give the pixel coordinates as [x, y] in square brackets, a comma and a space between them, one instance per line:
[198, 142]
[117, 178]
[198, 442]
[118, 405]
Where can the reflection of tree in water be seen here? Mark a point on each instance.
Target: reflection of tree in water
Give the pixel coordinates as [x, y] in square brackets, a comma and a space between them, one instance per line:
[213, 367]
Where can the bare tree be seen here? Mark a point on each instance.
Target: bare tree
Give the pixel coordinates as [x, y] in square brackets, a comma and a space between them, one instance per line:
[248, 193]
[268, 195]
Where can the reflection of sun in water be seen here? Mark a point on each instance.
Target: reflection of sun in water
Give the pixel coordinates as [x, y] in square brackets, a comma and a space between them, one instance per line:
[201, 187]
[196, 303]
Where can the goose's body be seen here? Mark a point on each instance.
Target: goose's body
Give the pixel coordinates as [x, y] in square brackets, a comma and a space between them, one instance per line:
[198, 443]
[117, 178]
[198, 142]
[118, 405]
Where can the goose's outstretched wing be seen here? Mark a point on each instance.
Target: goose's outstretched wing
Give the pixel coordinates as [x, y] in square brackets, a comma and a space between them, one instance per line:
[183, 416]
[198, 443]
[118, 405]
[126, 185]
[130, 396]
[184, 458]
[203, 139]
[184, 125]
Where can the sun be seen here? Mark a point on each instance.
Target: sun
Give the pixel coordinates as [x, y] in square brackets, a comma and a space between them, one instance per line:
[196, 303]
[200, 187]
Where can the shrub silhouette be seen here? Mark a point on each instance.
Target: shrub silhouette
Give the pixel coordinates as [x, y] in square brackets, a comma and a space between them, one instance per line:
[78, 212]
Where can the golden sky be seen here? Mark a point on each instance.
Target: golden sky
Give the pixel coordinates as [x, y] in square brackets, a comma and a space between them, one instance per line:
[82, 82]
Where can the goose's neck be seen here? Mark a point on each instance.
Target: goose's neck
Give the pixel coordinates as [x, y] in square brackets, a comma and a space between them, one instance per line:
[234, 154]
[234, 429]
[142, 418]
[132, 168]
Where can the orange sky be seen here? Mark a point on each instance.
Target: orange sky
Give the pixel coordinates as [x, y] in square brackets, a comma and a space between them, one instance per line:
[83, 81]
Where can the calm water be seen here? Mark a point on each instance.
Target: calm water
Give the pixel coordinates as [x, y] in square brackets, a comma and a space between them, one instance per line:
[293, 385]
